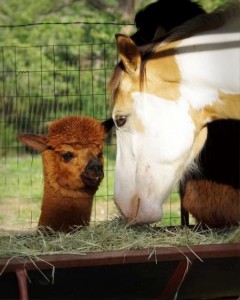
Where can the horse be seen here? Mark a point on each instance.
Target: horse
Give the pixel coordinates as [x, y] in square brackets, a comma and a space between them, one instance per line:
[205, 194]
[164, 95]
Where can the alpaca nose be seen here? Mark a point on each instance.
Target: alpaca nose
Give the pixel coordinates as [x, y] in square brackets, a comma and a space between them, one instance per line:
[93, 174]
[94, 167]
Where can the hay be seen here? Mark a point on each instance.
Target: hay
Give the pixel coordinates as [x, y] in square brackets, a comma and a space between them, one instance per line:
[110, 236]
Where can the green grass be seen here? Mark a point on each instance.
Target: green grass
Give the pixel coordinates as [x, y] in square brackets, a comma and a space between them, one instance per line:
[21, 177]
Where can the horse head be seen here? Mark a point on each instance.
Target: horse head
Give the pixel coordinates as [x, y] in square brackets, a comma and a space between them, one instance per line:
[163, 98]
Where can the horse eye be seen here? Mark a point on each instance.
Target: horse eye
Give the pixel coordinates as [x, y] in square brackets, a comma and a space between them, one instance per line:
[121, 120]
[67, 156]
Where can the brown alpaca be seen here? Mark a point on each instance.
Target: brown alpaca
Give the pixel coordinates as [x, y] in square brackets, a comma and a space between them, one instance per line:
[73, 169]
[206, 201]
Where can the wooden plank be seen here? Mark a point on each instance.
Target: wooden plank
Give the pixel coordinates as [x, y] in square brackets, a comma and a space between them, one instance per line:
[121, 257]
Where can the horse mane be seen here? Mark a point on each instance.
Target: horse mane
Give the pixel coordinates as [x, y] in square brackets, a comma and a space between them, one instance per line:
[196, 25]
[203, 22]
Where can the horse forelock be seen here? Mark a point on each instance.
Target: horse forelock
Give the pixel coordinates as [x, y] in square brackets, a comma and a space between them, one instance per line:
[117, 76]
[115, 80]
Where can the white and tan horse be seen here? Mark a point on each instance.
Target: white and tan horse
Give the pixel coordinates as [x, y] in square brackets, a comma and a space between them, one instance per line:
[164, 95]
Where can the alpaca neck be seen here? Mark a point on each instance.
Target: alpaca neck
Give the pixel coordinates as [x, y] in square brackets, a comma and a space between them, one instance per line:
[63, 209]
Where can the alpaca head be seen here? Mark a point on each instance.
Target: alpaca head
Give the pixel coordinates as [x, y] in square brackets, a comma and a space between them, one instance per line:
[72, 154]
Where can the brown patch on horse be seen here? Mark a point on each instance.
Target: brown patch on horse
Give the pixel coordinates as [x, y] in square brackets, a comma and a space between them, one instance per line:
[161, 67]
[227, 108]
[199, 141]
[123, 105]
[139, 71]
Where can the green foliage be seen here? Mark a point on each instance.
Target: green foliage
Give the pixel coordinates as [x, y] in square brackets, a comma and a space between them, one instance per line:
[211, 5]
[50, 71]
[53, 70]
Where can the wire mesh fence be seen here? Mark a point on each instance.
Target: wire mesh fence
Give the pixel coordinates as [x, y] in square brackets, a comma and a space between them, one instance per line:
[40, 84]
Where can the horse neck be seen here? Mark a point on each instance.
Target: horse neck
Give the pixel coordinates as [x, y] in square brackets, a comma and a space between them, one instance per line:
[202, 69]
[62, 209]
[227, 107]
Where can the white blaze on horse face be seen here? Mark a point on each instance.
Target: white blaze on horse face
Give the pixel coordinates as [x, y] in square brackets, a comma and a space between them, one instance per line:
[150, 161]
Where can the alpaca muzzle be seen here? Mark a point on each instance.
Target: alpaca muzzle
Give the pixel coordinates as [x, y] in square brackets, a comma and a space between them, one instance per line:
[93, 173]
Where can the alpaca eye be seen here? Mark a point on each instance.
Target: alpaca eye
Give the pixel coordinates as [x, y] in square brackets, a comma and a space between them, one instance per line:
[67, 156]
[121, 120]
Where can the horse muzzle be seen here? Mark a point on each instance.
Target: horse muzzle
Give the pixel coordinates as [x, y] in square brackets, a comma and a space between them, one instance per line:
[139, 213]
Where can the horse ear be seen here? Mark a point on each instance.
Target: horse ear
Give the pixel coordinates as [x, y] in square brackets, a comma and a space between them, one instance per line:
[129, 53]
[108, 124]
[37, 142]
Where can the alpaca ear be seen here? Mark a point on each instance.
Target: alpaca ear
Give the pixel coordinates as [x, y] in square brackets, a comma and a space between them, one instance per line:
[37, 142]
[129, 53]
[108, 124]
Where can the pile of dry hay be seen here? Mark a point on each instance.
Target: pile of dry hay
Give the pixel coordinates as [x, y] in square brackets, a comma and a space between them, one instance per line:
[109, 236]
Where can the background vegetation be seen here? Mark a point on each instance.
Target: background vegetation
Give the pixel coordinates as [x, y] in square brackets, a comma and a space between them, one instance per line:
[49, 70]
[56, 57]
